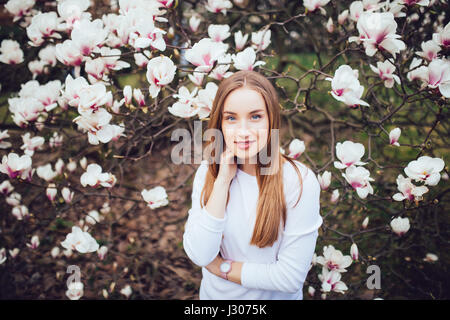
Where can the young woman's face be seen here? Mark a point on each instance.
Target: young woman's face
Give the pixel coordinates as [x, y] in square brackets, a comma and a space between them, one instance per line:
[245, 118]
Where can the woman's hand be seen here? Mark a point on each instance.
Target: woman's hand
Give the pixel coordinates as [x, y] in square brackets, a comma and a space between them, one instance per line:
[228, 166]
[214, 266]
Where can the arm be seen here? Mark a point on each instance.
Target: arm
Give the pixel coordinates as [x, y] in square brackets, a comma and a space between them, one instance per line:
[296, 249]
[204, 227]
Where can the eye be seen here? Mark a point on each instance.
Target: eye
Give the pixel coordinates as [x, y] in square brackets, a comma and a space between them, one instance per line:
[228, 118]
[257, 115]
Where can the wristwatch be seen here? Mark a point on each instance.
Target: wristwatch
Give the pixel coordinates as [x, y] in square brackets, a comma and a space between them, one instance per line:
[225, 268]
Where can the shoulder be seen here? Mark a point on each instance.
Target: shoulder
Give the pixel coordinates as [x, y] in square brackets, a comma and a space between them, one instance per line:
[308, 185]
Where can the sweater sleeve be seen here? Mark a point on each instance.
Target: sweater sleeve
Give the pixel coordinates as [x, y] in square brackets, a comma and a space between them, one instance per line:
[202, 232]
[297, 246]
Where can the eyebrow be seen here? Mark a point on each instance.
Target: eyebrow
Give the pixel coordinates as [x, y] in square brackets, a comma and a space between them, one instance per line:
[254, 111]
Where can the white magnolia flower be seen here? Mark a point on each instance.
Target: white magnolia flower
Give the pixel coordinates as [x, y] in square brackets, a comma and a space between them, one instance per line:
[386, 72]
[72, 11]
[343, 16]
[312, 5]
[146, 34]
[75, 290]
[311, 291]
[354, 251]
[67, 195]
[31, 144]
[15, 166]
[221, 71]
[430, 257]
[331, 281]
[216, 6]
[245, 60]
[4, 144]
[55, 252]
[43, 25]
[377, 31]
[14, 252]
[6, 187]
[51, 192]
[88, 35]
[435, 75]
[240, 40]
[400, 225]
[2, 255]
[425, 169]
[34, 243]
[333, 259]
[20, 212]
[126, 291]
[359, 178]
[408, 190]
[324, 180]
[68, 53]
[10, 52]
[334, 196]
[194, 23]
[160, 72]
[349, 153]
[81, 241]
[204, 100]
[93, 217]
[46, 172]
[142, 59]
[296, 148]
[156, 197]
[139, 97]
[261, 39]
[430, 50]
[14, 199]
[72, 90]
[95, 177]
[330, 25]
[443, 36]
[346, 87]
[394, 135]
[205, 53]
[92, 97]
[97, 126]
[365, 223]
[101, 252]
[19, 8]
[219, 32]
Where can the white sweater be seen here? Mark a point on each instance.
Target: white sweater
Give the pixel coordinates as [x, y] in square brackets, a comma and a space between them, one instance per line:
[271, 273]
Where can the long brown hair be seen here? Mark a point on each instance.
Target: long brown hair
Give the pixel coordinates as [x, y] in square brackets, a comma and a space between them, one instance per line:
[271, 208]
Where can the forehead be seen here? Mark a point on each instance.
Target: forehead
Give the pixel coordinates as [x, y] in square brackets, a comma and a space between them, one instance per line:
[244, 100]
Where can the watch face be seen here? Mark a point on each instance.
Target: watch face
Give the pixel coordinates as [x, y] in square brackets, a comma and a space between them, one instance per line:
[225, 267]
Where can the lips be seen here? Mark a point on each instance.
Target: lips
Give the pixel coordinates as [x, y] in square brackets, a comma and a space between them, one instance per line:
[244, 144]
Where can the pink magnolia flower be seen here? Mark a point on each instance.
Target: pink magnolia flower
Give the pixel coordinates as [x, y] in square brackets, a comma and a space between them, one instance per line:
[219, 32]
[331, 281]
[408, 190]
[359, 178]
[430, 50]
[43, 25]
[68, 53]
[216, 6]
[312, 5]
[394, 135]
[240, 40]
[10, 52]
[377, 31]
[386, 72]
[346, 87]
[19, 8]
[425, 169]
[349, 153]
[443, 36]
[194, 23]
[400, 225]
[245, 60]
[14, 166]
[160, 72]
[205, 53]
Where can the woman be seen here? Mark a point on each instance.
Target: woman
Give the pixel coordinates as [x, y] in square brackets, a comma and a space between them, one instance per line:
[252, 227]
